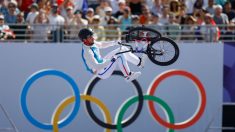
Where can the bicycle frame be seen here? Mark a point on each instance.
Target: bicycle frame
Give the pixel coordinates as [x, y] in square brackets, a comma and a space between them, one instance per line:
[142, 50]
[131, 49]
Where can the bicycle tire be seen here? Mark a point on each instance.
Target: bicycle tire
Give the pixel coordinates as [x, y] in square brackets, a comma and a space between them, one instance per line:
[151, 52]
[129, 37]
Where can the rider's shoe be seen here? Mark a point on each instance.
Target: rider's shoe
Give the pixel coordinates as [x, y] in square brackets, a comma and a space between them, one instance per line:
[132, 76]
[143, 60]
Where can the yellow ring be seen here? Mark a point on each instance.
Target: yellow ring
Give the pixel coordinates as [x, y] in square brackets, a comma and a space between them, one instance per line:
[70, 100]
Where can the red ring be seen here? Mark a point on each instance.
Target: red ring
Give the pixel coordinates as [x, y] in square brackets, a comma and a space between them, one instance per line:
[196, 116]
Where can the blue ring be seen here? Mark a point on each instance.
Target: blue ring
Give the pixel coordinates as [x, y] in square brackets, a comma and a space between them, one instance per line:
[38, 75]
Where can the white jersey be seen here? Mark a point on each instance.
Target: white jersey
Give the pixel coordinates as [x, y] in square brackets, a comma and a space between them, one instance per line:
[92, 58]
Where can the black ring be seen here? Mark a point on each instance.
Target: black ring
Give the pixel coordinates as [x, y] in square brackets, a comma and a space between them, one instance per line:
[126, 123]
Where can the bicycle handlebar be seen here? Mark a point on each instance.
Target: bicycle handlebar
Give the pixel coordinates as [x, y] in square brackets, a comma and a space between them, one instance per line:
[122, 44]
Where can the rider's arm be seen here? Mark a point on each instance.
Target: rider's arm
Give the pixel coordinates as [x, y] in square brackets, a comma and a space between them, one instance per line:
[89, 57]
[105, 44]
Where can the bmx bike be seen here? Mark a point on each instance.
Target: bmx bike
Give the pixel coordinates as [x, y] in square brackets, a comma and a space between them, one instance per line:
[160, 50]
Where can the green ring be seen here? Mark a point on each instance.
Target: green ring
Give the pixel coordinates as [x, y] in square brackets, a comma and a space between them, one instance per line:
[146, 97]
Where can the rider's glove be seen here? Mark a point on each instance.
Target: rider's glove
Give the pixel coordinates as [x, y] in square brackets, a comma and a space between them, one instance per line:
[114, 58]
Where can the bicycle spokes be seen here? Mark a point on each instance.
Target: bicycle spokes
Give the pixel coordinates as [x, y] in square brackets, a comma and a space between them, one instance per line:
[163, 51]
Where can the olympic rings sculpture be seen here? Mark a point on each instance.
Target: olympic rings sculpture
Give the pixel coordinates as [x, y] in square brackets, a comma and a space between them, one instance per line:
[170, 123]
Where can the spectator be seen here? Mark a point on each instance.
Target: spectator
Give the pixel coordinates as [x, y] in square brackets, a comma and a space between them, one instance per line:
[155, 20]
[145, 17]
[188, 31]
[5, 32]
[69, 15]
[220, 18]
[198, 4]
[100, 10]
[11, 15]
[41, 31]
[182, 15]
[175, 7]
[20, 29]
[92, 4]
[98, 29]
[173, 28]
[68, 20]
[190, 6]
[114, 4]
[209, 30]
[32, 14]
[135, 22]
[3, 8]
[155, 23]
[108, 14]
[122, 6]
[149, 3]
[199, 15]
[64, 5]
[230, 33]
[78, 18]
[165, 15]
[157, 7]
[113, 32]
[136, 6]
[41, 4]
[56, 21]
[125, 20]
[89, 15]
[228, 11]
[76, 24]
[24, 5]
[211, 7]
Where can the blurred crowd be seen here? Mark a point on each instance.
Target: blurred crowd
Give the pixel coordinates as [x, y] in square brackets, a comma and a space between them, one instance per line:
[44, 20]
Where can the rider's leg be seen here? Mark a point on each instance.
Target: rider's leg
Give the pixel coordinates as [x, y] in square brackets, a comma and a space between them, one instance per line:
[130, 57]
[123, 66]
[107, 72]
[139, 61]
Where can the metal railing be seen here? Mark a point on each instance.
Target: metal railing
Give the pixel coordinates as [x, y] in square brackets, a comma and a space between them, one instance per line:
[69, 34]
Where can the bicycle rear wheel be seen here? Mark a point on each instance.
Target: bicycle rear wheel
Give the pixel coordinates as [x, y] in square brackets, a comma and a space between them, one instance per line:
[163, 51]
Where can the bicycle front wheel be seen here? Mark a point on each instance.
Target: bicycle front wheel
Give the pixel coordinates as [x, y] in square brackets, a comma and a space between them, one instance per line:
[163, 51]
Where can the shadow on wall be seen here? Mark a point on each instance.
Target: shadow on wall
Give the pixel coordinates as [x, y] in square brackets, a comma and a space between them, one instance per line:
[229, 72]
